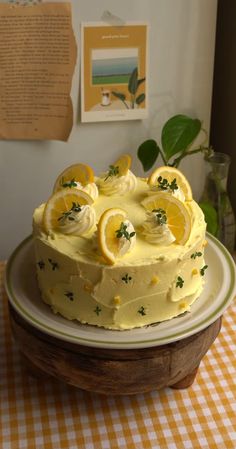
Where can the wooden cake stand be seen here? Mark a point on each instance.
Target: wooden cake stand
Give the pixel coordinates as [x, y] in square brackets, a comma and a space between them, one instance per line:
[112, 371]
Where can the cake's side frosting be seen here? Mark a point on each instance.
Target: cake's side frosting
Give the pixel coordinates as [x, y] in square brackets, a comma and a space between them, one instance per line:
[151, 283]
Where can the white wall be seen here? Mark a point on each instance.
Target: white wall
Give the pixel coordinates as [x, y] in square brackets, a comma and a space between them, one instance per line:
[182, 36]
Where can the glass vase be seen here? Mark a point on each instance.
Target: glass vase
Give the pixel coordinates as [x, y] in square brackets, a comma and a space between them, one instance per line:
[215, 201]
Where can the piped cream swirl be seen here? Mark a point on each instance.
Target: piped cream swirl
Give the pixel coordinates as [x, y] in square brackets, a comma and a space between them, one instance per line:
[127, 245]
[90, 188]
[80, 223]
[178, 193]
[155, 233]
[121, 185]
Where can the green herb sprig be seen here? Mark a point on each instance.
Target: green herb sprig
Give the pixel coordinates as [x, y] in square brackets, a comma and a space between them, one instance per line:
[97, 310]
[68, 215]
[126, 278]
[179, 282]
[196, 254]
[53, 264]
[203, 269]
[160, 216]
[70, 295]
[122, 232]
[163, 184]
[142, 311]
[41, 264]
[69, 184]
[113, 171]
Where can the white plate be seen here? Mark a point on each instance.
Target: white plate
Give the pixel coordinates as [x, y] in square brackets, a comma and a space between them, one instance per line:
[219, 291]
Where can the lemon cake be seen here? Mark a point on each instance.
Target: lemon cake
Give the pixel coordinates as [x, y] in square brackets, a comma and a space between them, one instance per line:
[119, 251]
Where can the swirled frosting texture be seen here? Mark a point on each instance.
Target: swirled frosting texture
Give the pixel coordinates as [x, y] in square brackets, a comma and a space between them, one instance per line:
[178, 193]
[156, 234]
[80, 222]
[139, 289]
[127, 245]
[90, 188]
[117, 185]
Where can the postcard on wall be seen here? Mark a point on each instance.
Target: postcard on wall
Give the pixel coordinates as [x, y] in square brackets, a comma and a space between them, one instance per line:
[113, 72]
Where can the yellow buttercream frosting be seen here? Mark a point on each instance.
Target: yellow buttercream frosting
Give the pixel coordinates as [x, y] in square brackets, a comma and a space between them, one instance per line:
[141, 288]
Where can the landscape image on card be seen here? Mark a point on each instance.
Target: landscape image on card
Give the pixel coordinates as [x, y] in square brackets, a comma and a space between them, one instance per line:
[113, 66]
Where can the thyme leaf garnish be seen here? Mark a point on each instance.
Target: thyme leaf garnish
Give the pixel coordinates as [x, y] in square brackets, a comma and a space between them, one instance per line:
[97, 310]
[41, 264]
[122, 232]
[142, 311]
[69, 184]
[70, 295]
[196, 254]
[69, 215]
[203, 269]
[54, 265]
[180, 282]
[126, 278]
[173, 185]
[113, 171]
[160, 216]
[163, 184]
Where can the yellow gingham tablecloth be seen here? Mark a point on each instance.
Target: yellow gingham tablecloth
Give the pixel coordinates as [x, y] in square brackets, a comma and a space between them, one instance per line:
[52, 415]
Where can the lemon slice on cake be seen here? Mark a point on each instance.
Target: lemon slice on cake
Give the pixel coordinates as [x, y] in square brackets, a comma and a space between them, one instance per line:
[178, 216]
[123, 164]
[120, 167]
[112, 225]
[81, 173]
[171, 174]
[61, 205]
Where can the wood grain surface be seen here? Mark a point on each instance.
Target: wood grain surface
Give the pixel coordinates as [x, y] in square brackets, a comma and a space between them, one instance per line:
[112, 371]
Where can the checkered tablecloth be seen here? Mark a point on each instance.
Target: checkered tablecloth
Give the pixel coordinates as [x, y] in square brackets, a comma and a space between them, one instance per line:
[52, 415]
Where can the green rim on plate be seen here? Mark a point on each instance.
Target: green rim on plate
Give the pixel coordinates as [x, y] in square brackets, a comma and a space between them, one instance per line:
[14, 300]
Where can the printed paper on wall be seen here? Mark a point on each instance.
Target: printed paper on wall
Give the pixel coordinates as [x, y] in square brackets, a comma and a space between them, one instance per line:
[37, 60]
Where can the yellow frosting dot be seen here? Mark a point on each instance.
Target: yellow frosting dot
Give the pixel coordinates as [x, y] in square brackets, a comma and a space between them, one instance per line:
[155, 280]
[183, 305]
[205, 243]
[194, 271]
[117, 300]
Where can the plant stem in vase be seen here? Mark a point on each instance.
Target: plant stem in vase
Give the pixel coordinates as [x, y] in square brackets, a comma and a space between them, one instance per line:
[215, 201]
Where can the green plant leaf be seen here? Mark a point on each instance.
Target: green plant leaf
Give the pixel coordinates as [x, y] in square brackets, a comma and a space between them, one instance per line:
[178, 133]
[133, 82]
[119, 95]
[210, 214]
[140, 98]
[140, 81]
[147, 153]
